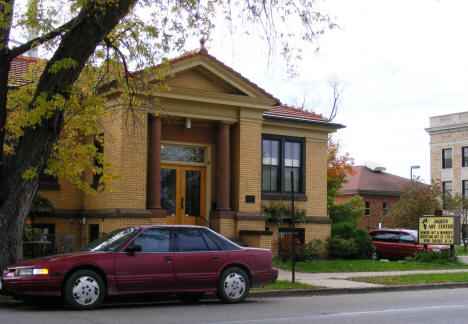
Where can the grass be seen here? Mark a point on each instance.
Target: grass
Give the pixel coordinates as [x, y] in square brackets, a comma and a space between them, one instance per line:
[363, 265]
[285, 284]
[460, 250]
[416, 279]
[4, 297]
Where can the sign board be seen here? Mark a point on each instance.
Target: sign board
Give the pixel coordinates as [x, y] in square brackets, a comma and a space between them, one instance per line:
[439, 230]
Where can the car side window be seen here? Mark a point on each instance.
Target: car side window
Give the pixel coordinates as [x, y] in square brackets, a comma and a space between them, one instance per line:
[190, 240]
[407, 238]
[386, 237]
[154, 240]
[210, 241]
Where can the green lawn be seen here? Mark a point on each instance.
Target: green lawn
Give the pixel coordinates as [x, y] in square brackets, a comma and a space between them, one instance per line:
[363, 265]
[460, 250]
[4, 297]
[416, 279]
[285, 284]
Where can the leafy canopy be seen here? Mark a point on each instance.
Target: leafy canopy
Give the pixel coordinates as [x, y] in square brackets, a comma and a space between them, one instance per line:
[143, 37]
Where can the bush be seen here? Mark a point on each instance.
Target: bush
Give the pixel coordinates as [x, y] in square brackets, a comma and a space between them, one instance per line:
[341, 248]
[434, 257]
[305, 252]
[359, 241]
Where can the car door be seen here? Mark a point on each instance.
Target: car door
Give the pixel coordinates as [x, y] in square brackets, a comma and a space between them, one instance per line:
[408, 245]
[197, 260]
[150, 269]
[385, 243]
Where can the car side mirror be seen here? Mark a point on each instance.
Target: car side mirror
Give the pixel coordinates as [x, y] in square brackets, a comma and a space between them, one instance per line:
[132, 249]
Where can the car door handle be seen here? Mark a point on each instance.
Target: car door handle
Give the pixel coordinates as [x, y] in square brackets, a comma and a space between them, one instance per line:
[216, 257]
[168, 258]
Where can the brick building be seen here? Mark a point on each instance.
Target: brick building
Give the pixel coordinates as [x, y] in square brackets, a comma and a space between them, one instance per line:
[378, 190]
[216, 150]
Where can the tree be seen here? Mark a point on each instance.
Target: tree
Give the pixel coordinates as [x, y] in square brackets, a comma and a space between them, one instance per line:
[86, 41]
[338, 168]
[416, 199]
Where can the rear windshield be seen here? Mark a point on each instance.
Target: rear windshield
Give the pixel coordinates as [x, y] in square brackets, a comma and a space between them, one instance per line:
[112, 241]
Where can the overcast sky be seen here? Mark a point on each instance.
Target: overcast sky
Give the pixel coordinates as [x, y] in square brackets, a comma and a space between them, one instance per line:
[402, 60]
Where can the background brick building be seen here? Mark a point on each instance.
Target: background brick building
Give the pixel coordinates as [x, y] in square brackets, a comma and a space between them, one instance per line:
[378, 190]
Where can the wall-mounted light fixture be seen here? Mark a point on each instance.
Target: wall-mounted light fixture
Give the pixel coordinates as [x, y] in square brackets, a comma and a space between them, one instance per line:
[188, 123]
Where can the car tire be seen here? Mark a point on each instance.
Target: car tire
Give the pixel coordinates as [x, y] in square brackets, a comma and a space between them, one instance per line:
[233, 286]
[375, 255]
[191, 298]
[84, 289]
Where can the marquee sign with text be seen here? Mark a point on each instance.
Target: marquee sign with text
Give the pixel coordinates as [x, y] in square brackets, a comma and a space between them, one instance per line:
[439, 230]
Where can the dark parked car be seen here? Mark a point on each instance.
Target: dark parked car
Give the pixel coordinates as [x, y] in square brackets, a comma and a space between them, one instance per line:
[186, 260]
[396, 243]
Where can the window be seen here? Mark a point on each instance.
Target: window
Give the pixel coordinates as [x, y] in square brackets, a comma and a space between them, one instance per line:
[153, 240]
[446, 158]
[407, 238]
[97, 163]
[384, 208]
[465, 188]
[385, 237]
[179, 153]
[48, 182]
[190, 240]
[280, 156]
[446, 189]
[299, 233]
[367, 210]
[465, 156]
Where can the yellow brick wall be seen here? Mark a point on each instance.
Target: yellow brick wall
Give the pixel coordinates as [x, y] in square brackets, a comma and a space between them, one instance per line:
[248, 169]
[193, 79]
[226, 227]
[125, 146]
[68, 197]
[312, 232]
[251, 225]
[63, 226]
[260, 241]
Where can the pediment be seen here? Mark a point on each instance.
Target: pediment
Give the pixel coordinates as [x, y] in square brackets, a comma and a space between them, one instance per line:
[199, 78]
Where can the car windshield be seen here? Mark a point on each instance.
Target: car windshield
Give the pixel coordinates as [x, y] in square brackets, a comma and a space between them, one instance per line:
[111, 241]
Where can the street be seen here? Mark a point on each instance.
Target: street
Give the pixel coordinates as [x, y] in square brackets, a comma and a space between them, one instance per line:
[428, 306]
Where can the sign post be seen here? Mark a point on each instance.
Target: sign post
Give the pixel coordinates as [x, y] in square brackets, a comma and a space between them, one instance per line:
[293, 236]
[439, 230]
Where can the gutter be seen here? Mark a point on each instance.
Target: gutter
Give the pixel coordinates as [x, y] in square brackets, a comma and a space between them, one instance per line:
[303, 120]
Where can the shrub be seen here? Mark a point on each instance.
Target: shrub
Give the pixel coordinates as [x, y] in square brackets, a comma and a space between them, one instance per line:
[341, 248]
[303, 252]
[360, 243]
[434, 257]
[284, 248]
[278, 212]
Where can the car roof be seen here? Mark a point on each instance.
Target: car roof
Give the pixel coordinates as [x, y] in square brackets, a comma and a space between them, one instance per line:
[411, 231]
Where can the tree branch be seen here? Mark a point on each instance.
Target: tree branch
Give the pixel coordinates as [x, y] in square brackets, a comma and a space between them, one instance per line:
[44, 38]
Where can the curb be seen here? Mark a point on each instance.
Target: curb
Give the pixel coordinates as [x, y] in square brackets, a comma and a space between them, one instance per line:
[322, 291]
[340, 291]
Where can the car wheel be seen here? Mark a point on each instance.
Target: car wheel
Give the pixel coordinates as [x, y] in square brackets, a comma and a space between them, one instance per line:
[376, 256]
[233, 285]
[191, 297]
[84, 289]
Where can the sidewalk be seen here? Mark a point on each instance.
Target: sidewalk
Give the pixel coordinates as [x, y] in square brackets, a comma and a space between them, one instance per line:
[341, 280]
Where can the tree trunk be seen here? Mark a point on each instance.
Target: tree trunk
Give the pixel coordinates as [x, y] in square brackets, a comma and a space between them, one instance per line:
[35, 145]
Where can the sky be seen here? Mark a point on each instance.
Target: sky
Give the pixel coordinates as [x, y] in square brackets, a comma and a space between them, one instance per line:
[401, 62]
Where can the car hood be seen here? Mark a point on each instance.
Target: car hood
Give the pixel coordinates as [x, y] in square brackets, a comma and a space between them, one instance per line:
[52, 259]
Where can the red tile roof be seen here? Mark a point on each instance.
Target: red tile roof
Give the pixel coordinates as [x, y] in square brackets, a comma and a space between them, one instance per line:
[20, 66]
[366, 181]
[296, 113]
[202, 51]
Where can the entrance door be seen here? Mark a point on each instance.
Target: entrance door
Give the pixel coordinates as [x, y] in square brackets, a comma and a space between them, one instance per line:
[183, 193]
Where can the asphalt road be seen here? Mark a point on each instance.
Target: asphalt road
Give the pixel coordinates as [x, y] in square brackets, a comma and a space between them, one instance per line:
[428, 306]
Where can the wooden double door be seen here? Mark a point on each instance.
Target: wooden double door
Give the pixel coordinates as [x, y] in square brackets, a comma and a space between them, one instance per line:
[183, 193]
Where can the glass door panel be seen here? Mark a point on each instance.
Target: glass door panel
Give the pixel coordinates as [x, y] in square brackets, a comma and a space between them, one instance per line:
[168, 190]
[183, 193]
[192, 192]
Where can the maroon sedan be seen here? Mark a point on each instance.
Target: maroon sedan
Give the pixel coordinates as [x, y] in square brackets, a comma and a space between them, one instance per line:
[186, 260]
[397, 243]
